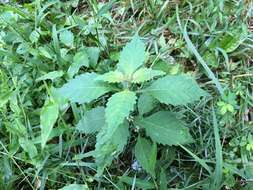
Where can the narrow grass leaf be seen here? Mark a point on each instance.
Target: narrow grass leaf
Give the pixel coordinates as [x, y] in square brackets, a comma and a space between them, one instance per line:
[193, 49]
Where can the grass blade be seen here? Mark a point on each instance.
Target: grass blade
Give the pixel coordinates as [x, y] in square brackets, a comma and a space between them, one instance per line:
[193, 49]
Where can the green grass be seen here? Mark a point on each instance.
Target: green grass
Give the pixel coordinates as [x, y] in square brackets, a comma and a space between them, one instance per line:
[210, 40]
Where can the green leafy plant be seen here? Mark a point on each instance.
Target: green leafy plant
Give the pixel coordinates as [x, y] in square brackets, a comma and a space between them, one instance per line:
[118, 120]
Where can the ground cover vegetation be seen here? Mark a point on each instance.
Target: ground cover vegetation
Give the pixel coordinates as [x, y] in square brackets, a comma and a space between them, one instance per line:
[152, 94]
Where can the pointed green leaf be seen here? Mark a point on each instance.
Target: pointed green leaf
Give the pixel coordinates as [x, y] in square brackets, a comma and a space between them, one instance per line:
[112, 77]
[230, 43]
[109, 148]
[93, 53]
[28, 147]
[48, 117]
[51, 76]
[80, 59]
[132, 56]
[67, 38]
[164, 127]
[176, 90]
[145, 153]
[146, 103]
[75, 187]
[145, 74]
[83, 88]
[92, 121]
[138, 182]
[118, 108]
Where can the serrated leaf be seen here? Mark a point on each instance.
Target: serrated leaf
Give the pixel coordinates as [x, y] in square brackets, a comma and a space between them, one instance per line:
[164, 127]
[67, 38]
[48, 117]
[145, 153]
[80, 59]
[145, 74]
[92, 121]
[146, 103]
[111, 77]
[83, 88]
[51, 76]
[176, 90]
[132, 56]
[109, 148]
[118, 108]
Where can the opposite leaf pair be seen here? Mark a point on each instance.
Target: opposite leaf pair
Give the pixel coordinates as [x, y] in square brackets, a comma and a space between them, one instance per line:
[162, 127]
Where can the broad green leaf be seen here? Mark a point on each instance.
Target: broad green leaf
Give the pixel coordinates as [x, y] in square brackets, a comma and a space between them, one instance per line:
[48, 117]
[67, 38]
[111, 77]
[210, 58]
[45, 51]
[145, 153]
[103, 10]
[34, 36]
[93, 53]
[176, 90]
[163, 180]
[140, 183]
[58, 98]
[132, 56]
[83, 88]
[51, 75]
[146, 103]
[75, 187]
[28, 147]
[145, 74]
[80, 59]
[230, 43]
[118, 108]
[92, 120]
[109, 148]
[164, 127]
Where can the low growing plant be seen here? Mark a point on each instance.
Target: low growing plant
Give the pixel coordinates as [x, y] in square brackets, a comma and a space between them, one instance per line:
[131, 93]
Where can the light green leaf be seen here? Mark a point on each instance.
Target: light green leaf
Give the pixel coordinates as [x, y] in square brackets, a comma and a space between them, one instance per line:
[146, 103]
[140, 183]
[118, 108]
[34, 36]
[112, 77]
[230, 43]
[132, 56]
[145, 74]
[75, 187]
[58, 98]
[93, 53]
[28, 147]
[92, 120]
[83, 88]
[45, 51]
[67, 38]
[80, 59]
[176, 90]
[48, 117]
[51, 75]
[109, 148]
[164, 127]
[145, 153]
